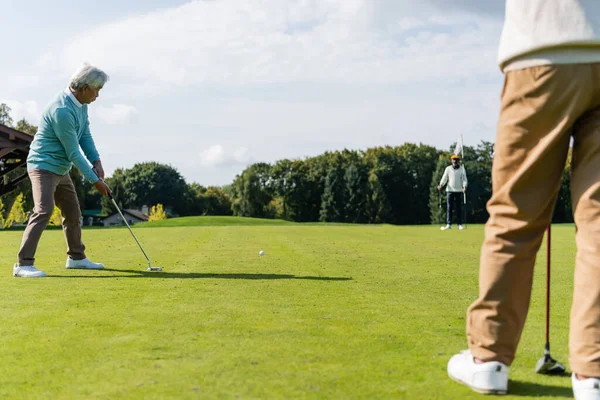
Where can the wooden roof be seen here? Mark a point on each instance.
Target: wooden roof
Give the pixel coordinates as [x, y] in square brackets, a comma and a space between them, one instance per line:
[14, 147]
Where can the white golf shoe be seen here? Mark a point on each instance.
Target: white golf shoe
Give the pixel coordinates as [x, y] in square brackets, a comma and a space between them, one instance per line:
[82, 264]
[460, 227]
[487, 378]
[587, 389]
[27, 271]
[446, 227]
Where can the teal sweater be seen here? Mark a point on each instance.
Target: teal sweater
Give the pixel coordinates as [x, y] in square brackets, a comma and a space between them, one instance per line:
[64, 127]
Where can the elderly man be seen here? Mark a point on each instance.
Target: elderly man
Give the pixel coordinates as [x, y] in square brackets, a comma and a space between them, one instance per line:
[550, 54]
[456, 177]
[64, 129]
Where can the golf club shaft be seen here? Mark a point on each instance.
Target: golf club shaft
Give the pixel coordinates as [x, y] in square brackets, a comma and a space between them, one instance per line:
[548, 286]
[150, 267]
[126, 223]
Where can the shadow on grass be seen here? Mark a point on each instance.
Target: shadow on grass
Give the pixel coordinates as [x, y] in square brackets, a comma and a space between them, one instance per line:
[196, 275]
[529, 389]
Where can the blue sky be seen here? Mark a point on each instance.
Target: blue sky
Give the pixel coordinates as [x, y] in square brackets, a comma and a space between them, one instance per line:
[211, 86]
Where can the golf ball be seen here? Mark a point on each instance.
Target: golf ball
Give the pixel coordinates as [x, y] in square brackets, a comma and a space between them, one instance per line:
[261, 253]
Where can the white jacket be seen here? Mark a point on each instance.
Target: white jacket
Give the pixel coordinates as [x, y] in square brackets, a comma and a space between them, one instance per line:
[542, 32]
[456, 178]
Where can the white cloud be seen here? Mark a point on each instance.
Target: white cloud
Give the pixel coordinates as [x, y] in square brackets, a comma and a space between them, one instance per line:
[219, 80]
[216, 155]
[240, 155]
[116, 114]
[230, 42]
[494, 9]
[212, 156]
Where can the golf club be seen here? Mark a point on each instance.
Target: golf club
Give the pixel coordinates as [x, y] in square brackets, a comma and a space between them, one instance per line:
[150, 267]
[548, 365]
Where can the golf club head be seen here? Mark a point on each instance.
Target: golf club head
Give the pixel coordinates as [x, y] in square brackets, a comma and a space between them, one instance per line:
[154, 268]
[549, 366]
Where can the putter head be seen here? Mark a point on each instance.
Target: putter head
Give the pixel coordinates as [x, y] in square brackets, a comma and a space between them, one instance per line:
[151, 268]
[549, 366]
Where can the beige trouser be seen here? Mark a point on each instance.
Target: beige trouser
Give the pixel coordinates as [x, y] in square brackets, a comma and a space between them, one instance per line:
[49, 189]
[542, 107]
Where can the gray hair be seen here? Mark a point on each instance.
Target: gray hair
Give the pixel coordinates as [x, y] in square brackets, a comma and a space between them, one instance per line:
[88, 75]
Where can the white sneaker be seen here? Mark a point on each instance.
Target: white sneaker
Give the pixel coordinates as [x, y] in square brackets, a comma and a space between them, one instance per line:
[27, 271]
[587, 389]
[446, 227]
[487, 378]
[82, 264]
[460, 227]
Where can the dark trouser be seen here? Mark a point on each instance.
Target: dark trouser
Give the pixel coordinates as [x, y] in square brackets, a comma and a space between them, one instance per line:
[50, 189]
[454, 198]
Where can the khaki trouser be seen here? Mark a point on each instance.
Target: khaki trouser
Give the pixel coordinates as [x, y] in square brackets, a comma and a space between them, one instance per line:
[49, 189]
[542, 107]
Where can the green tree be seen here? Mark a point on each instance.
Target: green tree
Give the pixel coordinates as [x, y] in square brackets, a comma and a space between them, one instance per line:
[92, 199]
[332, 199]
[378, 207]
[116, 183]
[282, 186]
[216, 202]
[25, 127]
[419, 164]
[5, 118]
[390, 186]
[195, 199]
[356, 180]
[294, 187]
[437, 198]
[228, 189]
[149, 183]
[209, 201]
[253, 192]
[315, 184]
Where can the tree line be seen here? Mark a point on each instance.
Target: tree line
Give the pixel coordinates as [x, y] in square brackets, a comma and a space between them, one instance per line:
[395, 185]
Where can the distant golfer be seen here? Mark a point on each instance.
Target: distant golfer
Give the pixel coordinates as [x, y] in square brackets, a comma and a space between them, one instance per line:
[64, 129]
[456, 177]
[550, 55]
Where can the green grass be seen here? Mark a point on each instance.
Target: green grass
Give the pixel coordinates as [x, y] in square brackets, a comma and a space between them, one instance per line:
[213, 221]
[330, 312]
